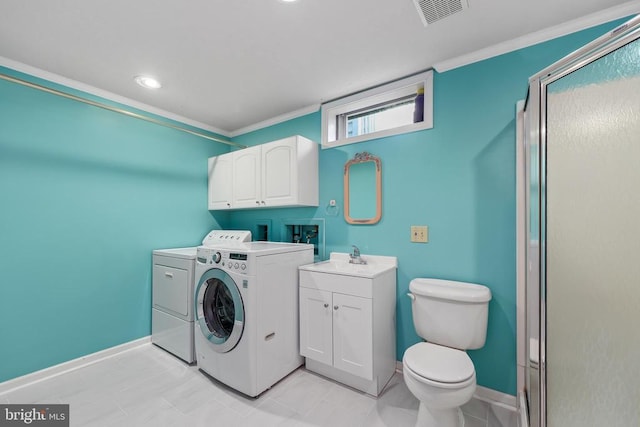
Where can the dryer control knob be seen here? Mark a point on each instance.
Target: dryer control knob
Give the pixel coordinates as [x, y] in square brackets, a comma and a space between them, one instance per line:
[217, 257]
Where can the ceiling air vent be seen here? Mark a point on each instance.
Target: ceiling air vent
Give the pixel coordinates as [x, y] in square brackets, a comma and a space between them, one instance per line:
[431, 11]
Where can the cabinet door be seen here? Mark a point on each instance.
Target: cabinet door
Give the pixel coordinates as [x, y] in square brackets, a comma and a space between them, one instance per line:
[220, 182]
[246, 177]
[353, 335]
[279, 173]
[315, 325]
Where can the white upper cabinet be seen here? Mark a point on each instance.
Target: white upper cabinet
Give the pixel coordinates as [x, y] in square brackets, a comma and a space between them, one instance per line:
[279, 169]
[220, 182]
[247, 178]
[277, 174]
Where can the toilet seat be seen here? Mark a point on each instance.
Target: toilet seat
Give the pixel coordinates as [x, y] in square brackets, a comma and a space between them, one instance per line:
[438, 365]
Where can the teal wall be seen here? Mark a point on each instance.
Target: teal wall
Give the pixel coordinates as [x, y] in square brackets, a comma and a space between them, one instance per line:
[458, 178]
[85, 195]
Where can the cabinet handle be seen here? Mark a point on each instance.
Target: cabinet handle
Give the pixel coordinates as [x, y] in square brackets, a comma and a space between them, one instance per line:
[257, 202]
[228, 205]
[264, 203]
[169, 275]
[326, 305]
[335, 307]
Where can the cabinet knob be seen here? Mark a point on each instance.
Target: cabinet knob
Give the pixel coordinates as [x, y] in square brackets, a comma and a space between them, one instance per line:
[228, 205]
[326, 305]
[264, 203]
[335, 307]
[257, 202]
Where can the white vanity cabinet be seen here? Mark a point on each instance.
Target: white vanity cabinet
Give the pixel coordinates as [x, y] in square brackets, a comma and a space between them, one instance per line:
[339, 330]
[277, 174]
[347, 320]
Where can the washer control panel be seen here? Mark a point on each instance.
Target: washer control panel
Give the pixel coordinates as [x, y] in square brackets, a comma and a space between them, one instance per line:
[226, 237]
[228, 260]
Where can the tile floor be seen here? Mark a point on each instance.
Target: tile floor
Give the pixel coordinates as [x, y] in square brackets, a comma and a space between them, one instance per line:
[147, 386]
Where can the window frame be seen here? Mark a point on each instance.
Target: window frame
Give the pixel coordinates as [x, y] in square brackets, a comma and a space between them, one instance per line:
[332, 111]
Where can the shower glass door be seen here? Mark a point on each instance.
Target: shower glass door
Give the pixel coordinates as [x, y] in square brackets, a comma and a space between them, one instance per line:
[589, 218]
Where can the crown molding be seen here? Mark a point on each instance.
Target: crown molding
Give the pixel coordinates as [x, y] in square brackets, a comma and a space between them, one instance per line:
[275, 120]
[587, 21]
[74, 84]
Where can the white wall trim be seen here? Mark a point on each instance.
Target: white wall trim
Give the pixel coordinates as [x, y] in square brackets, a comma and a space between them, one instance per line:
[523, 410]
[588, 21]
[71, 365]
[493, 397]
[74, 84]
[521, 244]
[275, 120]
[601, 17]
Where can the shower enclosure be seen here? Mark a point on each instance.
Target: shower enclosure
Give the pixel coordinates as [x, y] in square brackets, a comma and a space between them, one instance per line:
[582, 149]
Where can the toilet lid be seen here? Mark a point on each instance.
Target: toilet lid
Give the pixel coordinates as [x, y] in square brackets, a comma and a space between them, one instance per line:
[438, 363]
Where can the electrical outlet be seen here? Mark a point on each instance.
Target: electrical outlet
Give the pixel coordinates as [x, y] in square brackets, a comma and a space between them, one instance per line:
[419, 233]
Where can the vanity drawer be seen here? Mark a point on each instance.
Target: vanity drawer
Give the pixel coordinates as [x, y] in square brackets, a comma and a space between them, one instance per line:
[357, 286]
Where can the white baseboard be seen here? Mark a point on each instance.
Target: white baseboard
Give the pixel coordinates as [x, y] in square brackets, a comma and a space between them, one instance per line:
[71, 365]
[493, 397]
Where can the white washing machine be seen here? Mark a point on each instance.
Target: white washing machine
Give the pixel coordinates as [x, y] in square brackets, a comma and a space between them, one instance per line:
[246, 317]
[173, 286]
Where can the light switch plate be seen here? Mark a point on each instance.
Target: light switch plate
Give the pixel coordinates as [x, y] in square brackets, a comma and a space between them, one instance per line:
[419, 233]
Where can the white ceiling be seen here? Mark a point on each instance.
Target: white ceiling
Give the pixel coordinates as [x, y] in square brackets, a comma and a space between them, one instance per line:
[230, 64]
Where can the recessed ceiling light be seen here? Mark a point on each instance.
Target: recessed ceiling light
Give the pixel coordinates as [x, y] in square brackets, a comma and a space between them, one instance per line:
[148, 82]
[288, 1]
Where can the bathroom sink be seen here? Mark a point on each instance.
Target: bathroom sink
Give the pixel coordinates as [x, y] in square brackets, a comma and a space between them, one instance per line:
[338, 263]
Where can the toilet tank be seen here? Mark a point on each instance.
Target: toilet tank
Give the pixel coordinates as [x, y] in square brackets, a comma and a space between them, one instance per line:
[450, 313]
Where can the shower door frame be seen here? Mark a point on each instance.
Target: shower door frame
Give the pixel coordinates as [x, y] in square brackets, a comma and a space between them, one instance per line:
[536, 133]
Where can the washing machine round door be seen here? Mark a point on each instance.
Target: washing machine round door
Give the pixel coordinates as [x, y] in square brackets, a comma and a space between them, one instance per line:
[219, 310]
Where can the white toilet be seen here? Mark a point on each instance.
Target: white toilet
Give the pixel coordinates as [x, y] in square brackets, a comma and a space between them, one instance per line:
[451, 317]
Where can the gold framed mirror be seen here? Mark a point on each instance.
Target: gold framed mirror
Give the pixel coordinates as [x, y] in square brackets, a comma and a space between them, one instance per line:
[363, 189]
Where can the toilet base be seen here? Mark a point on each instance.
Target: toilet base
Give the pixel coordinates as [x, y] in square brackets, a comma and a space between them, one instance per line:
[439, 417]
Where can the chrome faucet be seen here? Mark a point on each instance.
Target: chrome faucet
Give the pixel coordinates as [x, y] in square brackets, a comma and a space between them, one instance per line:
[354, 258]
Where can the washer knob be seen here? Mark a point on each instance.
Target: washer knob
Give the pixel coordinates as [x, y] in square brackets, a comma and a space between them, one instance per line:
[217, 257]
[243, 266]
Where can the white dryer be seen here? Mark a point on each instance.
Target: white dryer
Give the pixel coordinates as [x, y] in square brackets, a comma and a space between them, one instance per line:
[246, 312]
[172, 294]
